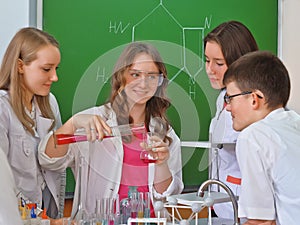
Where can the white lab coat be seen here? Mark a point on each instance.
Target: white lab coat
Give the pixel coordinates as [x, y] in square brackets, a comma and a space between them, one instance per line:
[222, 132]
[9, 213]
[102, 165]
[20, 148]
[268, 153]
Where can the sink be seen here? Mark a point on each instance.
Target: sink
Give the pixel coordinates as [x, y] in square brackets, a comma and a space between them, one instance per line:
[190, 198]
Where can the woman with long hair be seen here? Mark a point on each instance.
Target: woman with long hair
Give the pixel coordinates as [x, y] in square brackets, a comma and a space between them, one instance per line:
[110, 166]
[28, 111]
[223, 45]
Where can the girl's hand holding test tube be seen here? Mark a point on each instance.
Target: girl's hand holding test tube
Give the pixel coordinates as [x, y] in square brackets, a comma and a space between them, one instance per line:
[93, 125]
[94, 128]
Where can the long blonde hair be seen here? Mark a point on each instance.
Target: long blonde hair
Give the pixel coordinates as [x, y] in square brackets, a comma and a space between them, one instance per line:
[24, 45]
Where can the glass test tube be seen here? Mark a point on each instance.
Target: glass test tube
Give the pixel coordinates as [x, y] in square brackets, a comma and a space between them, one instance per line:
[97, 220]
[133, 204]
[140, 206]
[104, 210]
[147, 206]
[111, 211]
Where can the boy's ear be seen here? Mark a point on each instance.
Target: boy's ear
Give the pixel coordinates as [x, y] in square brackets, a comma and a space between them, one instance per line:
[20, 66]
[257, 99]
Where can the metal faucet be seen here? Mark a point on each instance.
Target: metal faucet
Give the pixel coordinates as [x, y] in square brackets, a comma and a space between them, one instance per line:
[205, 184]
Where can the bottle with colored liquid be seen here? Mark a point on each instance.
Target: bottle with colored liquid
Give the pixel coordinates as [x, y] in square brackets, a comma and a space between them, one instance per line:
[140, 206]
[133, 205]
[97, 220]
[111, 211]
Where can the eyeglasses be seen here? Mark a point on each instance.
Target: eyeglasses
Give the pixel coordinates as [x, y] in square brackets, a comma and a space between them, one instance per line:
[153, 78]
[227, 98]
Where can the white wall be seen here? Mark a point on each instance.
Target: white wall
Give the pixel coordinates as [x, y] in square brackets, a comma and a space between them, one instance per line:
[15, 14]
[291, 47]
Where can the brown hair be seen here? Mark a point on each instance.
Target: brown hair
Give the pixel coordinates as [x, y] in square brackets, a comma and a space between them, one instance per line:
[157, 105]
[261, 71]
[24, 45]
[234, 39]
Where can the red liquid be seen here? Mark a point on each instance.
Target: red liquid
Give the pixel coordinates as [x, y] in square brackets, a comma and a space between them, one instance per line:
[133, 215]
[149, 160]
[62, 139]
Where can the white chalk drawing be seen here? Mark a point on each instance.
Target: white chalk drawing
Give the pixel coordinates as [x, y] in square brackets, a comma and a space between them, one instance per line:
[190, 67]
[120, 28]
[183, 55]
[101, 75]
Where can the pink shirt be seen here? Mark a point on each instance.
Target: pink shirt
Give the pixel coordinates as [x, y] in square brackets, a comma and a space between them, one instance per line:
[134, 171]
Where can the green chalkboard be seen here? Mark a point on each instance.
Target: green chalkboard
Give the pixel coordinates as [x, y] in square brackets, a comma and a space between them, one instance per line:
[92, 33]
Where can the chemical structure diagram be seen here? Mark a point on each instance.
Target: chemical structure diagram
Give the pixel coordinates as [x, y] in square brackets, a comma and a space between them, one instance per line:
[190, 64]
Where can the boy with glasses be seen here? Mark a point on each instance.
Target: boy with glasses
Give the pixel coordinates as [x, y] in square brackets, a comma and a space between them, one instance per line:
[258, 88]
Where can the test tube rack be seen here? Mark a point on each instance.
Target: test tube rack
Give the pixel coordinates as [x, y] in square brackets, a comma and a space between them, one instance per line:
[158, 221]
